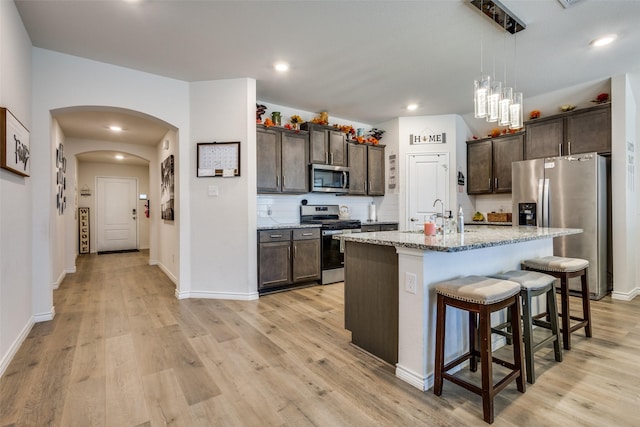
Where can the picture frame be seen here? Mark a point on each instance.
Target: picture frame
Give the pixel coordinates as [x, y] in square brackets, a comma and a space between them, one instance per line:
[83, 230]
[15, 147]
[218, 159]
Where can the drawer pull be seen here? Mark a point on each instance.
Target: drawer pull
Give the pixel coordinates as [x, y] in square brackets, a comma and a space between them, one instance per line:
[307, 234]
[275, 236]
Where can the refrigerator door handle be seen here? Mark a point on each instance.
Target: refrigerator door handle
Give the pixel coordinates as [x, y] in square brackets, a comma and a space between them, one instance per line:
[545, 204]
[539, 219]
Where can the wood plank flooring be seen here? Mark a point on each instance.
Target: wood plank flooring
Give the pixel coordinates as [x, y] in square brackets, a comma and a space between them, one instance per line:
[122, 351]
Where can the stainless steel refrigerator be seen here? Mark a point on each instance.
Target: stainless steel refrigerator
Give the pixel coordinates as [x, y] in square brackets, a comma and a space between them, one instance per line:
[570, 192]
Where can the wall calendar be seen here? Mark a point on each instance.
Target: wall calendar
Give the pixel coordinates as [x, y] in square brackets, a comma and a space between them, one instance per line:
[218, 159]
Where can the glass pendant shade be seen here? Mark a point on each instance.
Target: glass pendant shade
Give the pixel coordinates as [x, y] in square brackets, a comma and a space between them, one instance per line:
[515, 112]
[493, 101]
[505, 104]
[480, 94]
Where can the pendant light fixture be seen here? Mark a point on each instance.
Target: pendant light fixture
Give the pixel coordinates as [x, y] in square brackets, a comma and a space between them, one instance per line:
[515, 109]
[493, 100]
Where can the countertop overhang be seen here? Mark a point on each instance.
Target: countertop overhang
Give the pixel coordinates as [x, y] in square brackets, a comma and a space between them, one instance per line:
[474, 237]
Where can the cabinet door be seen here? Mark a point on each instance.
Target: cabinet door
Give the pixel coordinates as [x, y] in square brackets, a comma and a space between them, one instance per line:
[318, 145]
[375, 170]
[479, 168]
[368, 228]
[337, 148]
[357, 169]
[274, 264]
[506, 150]
[306, 260]
[268, 161]
[589, 131]
[388, 227]
[295, 172]
[544, 138]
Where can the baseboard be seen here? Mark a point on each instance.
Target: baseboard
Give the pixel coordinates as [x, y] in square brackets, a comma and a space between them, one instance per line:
[15, 346]
[628, 296]
[58, 282]
[71, 270]
[45, 317]
[218, 295]
[168, 273]
[413, 378]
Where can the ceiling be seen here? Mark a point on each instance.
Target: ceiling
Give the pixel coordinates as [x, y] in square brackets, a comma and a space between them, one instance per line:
[359, 60]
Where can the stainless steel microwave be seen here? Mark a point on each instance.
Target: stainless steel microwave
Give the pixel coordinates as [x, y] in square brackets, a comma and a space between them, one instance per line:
[329, 179]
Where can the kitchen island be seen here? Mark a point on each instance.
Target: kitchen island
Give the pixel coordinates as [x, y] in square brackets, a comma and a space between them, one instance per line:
[390, 301]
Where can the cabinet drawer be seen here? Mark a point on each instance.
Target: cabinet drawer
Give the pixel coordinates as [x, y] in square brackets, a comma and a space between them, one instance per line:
[369, 228]
[275, 235]
[388, 227]
[306, 233]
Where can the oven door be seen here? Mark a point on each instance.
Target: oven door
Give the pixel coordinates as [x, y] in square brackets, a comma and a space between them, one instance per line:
[333, 250]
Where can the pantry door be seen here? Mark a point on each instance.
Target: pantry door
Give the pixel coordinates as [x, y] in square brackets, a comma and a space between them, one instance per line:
[116, 214]
[427, 181]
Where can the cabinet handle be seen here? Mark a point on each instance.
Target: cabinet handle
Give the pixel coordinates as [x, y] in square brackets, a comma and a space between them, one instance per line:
[289, 252]
[495, 183]
[559, 149]
[307, 234]
[277, 181]
[283, 181]
[295, 251]
[326, 157]
[275, 236]
[331, 158]
[369, 185]
[569, 144]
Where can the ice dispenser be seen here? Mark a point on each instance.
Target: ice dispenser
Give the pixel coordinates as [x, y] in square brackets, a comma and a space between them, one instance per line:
[527, 214]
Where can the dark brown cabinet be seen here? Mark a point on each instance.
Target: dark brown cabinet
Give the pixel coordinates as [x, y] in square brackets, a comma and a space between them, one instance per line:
[281, 158]
[367, 228]
[327, 145]
[366, 169]
[489, 163]
[580, 131]
[288, 258]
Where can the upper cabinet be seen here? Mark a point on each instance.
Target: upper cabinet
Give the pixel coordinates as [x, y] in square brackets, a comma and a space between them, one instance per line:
[327, 145]
[489, 163]
[282, 161]
[366, 169]
[580, 131]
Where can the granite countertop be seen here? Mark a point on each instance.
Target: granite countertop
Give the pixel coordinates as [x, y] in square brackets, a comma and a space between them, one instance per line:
[475, 237]
[488, 223]
[276, 226]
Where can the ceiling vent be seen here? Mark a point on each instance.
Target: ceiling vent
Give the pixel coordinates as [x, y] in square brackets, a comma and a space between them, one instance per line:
[569, 3]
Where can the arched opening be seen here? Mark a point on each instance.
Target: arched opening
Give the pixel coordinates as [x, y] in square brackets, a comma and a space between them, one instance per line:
[134, 151]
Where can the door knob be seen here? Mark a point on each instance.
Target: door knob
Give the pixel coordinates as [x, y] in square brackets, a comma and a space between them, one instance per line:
[414, 219]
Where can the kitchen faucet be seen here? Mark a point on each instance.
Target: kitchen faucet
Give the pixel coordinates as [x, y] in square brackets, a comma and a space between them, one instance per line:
[441, 216]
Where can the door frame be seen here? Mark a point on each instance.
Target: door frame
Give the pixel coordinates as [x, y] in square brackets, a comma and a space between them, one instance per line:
[98, 213]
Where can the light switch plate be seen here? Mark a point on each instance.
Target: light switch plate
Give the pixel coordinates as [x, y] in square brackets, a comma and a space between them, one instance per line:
[410, 282]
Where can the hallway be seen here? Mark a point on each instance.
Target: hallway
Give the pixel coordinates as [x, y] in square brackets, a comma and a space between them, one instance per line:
[123, 351]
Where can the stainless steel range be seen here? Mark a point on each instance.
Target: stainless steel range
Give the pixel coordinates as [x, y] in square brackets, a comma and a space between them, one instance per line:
[332, 250]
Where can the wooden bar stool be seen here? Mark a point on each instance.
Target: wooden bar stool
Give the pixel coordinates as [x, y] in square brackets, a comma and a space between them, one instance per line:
[533, 284]
[479, 296]
[564, 269]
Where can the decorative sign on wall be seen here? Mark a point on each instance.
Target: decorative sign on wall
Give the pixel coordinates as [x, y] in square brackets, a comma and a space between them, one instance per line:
[166, 188]
[428, 138]
[83, 230]
[61, 180]
[218, 159]
[14, 138]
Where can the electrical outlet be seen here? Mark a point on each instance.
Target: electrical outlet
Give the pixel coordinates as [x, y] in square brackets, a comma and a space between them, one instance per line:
[269, 211]
[410, 283]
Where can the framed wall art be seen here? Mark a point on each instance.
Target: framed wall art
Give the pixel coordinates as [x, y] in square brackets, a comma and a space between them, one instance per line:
[167, 188]
[83, 230]
[218, 159]
[14, 137]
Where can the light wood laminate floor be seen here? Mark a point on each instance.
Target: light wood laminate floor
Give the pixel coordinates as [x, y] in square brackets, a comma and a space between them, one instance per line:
[122, 351]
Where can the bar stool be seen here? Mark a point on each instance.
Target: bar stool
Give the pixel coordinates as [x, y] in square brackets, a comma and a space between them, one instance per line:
[479, 296]
[533, 284]
[564, 269]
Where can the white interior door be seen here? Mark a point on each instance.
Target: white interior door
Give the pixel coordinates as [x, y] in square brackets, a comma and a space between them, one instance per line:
[116, 214]
[428, 180]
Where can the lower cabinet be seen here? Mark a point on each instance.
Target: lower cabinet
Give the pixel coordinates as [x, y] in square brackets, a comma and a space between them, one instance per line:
[288, 258]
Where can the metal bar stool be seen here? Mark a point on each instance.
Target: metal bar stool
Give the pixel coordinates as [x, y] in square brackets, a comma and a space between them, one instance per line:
[564, 269]
[479, 296]
[533, 284]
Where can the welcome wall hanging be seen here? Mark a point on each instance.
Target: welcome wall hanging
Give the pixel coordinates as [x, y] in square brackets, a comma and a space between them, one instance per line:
[14, 137]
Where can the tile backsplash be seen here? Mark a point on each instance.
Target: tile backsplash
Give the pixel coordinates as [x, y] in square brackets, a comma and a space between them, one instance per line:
[493, 203]
[285, 209]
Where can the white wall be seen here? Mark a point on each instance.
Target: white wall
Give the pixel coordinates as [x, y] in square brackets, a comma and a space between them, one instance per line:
[61, 81]
[87, 175]
[15, 192]
[623, 181]
[223, 257]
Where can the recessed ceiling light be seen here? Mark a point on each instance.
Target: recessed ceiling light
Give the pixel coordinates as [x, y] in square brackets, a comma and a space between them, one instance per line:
[119, 156]
[412, 107]
[604, 40]
[115, 128]
[281, 66]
